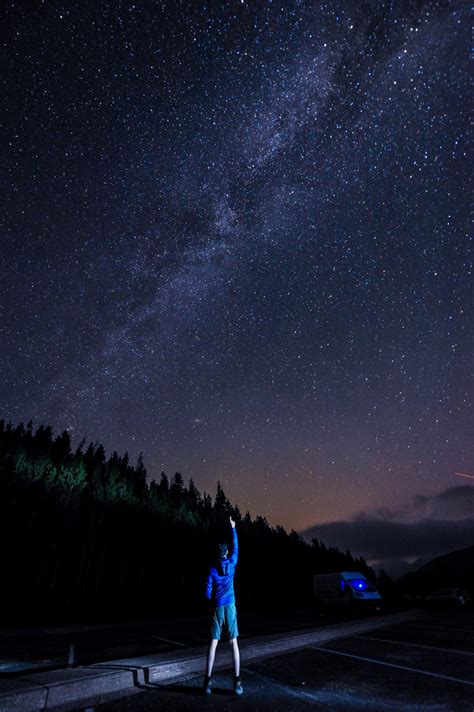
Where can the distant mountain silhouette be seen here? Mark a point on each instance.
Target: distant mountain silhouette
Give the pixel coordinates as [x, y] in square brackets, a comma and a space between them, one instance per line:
[453, 569]
[396, 568]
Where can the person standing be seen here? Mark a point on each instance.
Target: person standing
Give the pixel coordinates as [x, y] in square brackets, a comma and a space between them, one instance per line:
[220, 590]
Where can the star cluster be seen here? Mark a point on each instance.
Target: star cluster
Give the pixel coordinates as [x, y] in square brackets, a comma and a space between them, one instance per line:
[235, 236]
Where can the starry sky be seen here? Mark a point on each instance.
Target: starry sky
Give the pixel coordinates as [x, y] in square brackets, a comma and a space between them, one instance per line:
[234, 235]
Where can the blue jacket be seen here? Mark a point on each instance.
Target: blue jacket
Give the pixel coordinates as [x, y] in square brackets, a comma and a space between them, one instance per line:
[220, 581]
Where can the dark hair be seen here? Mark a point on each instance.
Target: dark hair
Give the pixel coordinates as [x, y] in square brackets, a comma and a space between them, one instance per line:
[222, 549]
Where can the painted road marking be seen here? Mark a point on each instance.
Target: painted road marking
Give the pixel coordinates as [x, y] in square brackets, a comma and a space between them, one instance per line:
[392, 665]
[327, 696]
[414, 645]
[438, 627]
[173, 642]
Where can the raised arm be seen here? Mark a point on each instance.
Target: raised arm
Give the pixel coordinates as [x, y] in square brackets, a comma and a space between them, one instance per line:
[235, 544]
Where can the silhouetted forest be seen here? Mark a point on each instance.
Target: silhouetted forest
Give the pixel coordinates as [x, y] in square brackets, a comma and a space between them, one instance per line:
[89, 536]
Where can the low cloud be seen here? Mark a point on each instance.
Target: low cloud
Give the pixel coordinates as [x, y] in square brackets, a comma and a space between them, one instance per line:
[453, 502]
[427, 527]
[376, 539]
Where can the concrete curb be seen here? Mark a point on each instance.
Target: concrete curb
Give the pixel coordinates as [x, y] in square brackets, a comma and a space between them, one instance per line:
[86, 686]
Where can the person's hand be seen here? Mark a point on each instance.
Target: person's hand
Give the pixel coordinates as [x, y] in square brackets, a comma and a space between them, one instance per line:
[232, 523]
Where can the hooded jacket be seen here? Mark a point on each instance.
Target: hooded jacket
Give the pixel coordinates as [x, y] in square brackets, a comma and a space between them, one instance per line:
[220, 582]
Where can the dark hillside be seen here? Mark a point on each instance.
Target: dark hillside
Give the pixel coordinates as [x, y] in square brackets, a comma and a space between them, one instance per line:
[453, 569]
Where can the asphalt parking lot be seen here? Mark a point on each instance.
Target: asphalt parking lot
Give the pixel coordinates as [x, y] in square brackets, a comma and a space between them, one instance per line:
[70, 646]
[426, 664]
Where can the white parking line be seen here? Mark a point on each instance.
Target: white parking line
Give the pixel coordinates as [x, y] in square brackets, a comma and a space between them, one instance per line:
[415, 645]
[324, 696]
[438, 627]
[165, 640]
[392, 665]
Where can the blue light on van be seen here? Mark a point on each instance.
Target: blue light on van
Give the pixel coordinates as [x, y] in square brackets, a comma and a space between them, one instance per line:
[359, 584]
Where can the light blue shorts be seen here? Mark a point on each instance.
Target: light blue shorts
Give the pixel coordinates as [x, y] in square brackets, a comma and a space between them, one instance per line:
[224, 617]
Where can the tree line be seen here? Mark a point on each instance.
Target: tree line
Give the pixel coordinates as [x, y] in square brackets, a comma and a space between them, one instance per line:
[88, 535]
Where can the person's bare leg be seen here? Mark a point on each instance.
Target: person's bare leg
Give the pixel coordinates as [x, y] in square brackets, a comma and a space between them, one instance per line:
[211, 654]
[235, 656]
[238, 689]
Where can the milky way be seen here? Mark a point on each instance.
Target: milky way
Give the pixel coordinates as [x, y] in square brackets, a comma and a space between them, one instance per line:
[235, 236]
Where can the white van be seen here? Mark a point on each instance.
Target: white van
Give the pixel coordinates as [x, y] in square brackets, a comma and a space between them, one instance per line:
[346, 590]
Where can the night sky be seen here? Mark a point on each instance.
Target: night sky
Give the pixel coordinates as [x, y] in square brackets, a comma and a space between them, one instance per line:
[234, 235]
